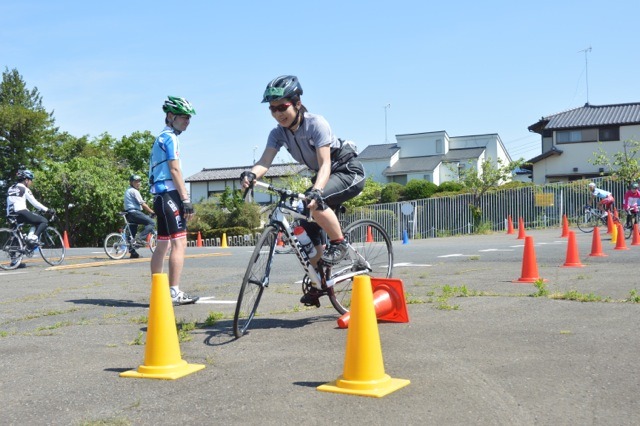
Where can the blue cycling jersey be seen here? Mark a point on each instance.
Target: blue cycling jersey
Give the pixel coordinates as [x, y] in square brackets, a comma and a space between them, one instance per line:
[166, 147]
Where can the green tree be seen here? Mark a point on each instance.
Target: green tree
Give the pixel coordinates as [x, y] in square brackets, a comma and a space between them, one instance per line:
[622, 164]
[478, 182]
[133, 151]
[26, 128]
[391, 193]
[369, 195]
[417, 189]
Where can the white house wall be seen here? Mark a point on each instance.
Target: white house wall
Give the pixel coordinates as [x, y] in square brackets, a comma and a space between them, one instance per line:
[422, 144]
[374, 168]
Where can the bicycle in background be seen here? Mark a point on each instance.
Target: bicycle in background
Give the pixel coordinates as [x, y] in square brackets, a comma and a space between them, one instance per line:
[589, 217]
[369, 251]
[14, 246]
[118, 244]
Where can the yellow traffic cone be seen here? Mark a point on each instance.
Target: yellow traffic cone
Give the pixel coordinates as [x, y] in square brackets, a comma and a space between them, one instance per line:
[363, 372]
[162, 350]
[614, 234]
[223, 243]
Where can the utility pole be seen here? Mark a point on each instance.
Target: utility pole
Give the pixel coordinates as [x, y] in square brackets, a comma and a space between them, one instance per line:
[386, 107]
[586, 67]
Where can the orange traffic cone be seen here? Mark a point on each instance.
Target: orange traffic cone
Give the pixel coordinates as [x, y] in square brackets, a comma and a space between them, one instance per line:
[162, 350]
[363, 372]
[529, 264]
[636, 236]
[388, 300]
[369, 235]
[620, 243]
[521, 230]
[199, 240]
[573, 259]
[510, 226]
[610, 227]
[565, 226]
[596, 244]
[279, 239]
[65, 240]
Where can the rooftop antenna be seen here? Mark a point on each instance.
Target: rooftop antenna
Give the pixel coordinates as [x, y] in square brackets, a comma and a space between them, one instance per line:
[386, 107]
[586, 67]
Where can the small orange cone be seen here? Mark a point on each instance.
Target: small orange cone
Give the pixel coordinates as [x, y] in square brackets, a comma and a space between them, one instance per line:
[529, 264]
[510, 226]
[65, 240]
[620, 241]
[636, 236]
[521, 231]
[199, 240]
[573, 259]
[279, 239]
[162, 350]
[363, 372]
[610, 227]
[388, 300]
[596, 244]
[369, 235]
[565, 226]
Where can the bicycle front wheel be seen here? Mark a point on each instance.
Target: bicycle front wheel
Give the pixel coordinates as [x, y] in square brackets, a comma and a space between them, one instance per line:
[372, 255]
[52, 247]
[115, 246]
[153, 241]
[586, 221]
[255, 280]
[11, 249]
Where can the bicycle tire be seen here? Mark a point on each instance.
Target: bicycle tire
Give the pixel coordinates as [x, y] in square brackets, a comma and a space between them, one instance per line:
[52, 247]
[586, 221]
[115, 246]
[11, 249]
[370, 241]
[255, 280]
[153, 241]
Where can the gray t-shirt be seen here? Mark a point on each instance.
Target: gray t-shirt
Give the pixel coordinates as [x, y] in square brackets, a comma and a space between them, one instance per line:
[132, 199]
[314, 132]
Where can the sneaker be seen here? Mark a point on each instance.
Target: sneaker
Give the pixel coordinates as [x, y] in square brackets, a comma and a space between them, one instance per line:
[139, 243]
[336, 252]
[604, 215]
[182, 298]
[134, 255]
[311, 298]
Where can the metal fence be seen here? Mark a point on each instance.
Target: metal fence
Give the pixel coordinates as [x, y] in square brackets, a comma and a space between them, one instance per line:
[539, 206]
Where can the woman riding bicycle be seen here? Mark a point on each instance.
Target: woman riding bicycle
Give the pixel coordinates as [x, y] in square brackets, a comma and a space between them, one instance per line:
[605, 199]
[630, 202]
[310, 141]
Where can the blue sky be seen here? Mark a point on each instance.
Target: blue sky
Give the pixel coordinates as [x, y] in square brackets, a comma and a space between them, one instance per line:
[466, 67]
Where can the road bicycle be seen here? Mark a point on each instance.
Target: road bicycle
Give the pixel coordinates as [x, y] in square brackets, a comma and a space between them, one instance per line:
[590, 217]
[628, 223]
[14, 246]
[117, 244]
[370, 251]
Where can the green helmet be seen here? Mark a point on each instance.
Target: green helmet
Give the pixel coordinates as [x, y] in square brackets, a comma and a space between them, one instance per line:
[179, 106]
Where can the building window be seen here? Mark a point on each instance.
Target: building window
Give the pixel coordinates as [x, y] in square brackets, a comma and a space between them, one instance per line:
[439, 146]
[609, 134]
[427, 178]
[576, 136]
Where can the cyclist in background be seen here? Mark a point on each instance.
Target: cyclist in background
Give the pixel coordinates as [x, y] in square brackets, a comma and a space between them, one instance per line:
[630, 203]
[17, 197]
[310, 141]
[604, 198]
[135, 207]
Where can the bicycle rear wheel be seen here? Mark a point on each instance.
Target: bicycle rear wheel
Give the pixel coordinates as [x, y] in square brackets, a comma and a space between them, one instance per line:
[153, 241]
[11, 249]
[373, 256]
[52, 247]
[115, 246]
[255, 280]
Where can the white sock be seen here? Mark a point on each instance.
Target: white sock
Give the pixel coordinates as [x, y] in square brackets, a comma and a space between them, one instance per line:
[175, 290]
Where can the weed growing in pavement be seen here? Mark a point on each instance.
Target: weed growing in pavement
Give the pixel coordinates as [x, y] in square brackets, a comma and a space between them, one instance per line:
[213, 318]
[541, 287]
[138, 340]
[634, 297]
[184, 329]
[579, 297]
[142, 319]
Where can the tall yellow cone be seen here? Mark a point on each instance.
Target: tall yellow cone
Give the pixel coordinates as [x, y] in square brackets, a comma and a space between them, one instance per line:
[363, 372]
[162, 350]
[614, 234]
[223, 243]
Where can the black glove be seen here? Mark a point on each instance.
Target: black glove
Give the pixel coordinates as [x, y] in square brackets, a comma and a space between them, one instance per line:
[249, 175]
[152, 215]
[52, 212]
[188, 207]
[314, 194]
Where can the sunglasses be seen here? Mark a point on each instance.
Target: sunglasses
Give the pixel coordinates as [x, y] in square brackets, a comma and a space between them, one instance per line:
[280, 108]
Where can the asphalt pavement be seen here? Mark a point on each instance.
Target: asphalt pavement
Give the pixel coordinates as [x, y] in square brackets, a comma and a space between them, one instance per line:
[478, 347]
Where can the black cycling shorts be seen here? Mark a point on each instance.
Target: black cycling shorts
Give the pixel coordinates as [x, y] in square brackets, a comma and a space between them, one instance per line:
[170, 215]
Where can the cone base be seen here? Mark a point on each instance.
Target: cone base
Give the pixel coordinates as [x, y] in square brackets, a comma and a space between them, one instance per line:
[171, 372]
[528, 280]
[621, 248]
[573, 265]
[373, 388]
[598, 255]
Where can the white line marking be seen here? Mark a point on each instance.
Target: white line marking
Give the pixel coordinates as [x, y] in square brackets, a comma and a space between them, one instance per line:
[495, 250]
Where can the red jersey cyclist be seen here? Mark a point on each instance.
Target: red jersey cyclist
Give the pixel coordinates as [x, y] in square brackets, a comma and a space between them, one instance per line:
[630, 203]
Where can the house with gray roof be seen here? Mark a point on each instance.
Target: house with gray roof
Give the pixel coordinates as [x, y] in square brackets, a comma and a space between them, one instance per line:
[432, 156]
[571, 138]
[212, 182]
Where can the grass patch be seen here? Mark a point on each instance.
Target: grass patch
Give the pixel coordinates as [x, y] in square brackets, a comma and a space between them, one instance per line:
[213, 318]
